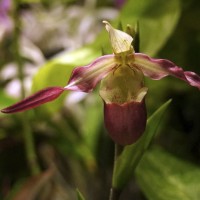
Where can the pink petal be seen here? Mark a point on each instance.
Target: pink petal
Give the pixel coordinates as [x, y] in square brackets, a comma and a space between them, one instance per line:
[159, 68]
[41, 97]
[86, 78]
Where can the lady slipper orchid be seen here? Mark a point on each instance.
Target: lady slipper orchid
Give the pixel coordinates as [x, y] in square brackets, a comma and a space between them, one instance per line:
[122, 88]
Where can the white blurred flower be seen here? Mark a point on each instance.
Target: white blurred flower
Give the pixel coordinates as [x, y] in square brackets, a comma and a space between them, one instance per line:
[66, 28]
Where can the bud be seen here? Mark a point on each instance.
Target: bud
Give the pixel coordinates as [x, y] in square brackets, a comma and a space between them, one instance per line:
[124, 106]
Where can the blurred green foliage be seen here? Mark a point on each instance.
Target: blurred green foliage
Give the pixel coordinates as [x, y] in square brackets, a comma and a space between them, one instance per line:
[163, 176]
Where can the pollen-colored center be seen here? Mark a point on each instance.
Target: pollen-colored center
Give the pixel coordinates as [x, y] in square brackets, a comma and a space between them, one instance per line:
[124, 84]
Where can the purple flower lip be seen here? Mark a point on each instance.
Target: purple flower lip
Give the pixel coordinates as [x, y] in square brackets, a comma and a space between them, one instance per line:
[125, 123]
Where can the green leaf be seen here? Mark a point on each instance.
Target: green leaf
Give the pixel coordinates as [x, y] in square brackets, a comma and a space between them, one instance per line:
[162, 176]
[79, 195]
[157, 20]
[132, 154]
[92, 121]
[5, 101]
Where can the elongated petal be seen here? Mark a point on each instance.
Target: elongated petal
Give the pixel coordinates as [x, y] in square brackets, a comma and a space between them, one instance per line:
[86, 78]
[159, 68]
[41, 97]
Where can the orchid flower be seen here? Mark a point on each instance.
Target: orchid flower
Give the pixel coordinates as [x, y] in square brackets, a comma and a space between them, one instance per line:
[122, 87]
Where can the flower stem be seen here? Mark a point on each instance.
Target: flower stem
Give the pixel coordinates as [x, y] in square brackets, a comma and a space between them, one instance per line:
[114, 192]
[28, 136]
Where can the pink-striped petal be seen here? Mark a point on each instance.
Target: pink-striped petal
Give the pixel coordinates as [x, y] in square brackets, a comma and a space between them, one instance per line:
[159, 68]
[41, 97]
[86, 78]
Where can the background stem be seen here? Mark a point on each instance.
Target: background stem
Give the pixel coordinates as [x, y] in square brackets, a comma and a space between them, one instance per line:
[28, 136]
[114, 194]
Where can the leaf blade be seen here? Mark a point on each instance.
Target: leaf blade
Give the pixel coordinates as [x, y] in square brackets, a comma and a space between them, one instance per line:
[162, 176]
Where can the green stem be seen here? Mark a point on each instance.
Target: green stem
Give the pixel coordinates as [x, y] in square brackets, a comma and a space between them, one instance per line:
[28, 136]
[114, 192]
[31, 155]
